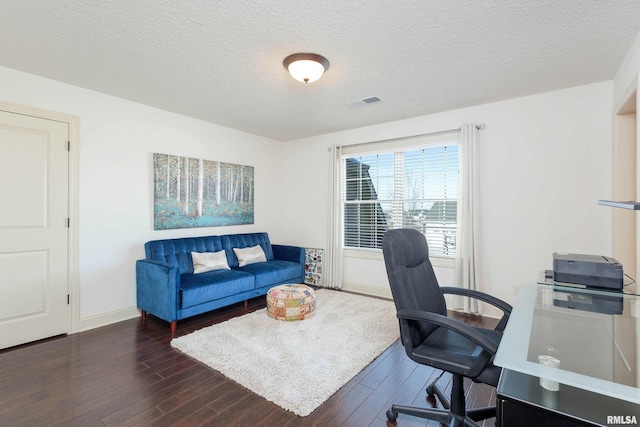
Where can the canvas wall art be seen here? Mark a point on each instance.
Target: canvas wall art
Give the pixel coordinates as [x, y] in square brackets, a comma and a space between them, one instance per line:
[191, 192]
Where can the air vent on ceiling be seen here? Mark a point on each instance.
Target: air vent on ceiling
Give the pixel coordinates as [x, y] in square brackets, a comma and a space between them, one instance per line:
[362, 102]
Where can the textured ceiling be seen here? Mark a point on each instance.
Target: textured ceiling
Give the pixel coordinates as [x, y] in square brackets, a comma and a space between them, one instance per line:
[221, 61]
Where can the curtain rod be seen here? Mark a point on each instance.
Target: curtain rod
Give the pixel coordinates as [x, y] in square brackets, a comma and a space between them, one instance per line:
[479, 126]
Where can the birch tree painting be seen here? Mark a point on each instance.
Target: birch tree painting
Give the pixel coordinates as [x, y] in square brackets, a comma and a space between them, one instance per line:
[192, 192]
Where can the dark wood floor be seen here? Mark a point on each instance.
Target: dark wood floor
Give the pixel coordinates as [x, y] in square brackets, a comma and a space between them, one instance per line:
[127, 374]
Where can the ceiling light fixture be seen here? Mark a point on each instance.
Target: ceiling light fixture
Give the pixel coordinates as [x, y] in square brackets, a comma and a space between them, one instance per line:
[306, 67]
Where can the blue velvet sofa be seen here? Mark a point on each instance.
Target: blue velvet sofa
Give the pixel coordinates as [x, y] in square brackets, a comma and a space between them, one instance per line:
[168, 288]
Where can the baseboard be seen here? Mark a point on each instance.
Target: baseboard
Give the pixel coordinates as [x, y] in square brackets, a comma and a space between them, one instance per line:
[491, 311]
[105, 319]
[486, 310]
[359, 288]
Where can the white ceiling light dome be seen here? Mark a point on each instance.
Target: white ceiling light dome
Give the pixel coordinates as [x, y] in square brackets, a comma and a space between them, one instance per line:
[306, 67]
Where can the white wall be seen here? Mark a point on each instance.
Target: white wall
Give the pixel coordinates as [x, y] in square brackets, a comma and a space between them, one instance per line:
[544, 162]
[117, 139]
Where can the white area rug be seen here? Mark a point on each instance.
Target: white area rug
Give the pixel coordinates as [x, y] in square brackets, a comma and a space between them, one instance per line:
[298, 365]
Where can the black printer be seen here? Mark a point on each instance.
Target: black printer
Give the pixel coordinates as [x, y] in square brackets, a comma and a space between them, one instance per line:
[589, 270]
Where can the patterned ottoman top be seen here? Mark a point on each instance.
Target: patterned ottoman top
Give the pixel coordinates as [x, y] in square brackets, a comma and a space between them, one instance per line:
[297, 291]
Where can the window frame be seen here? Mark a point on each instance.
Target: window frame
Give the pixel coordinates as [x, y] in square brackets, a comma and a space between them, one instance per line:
[402, 145]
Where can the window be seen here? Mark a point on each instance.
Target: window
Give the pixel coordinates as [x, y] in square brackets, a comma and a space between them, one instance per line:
[403, 185]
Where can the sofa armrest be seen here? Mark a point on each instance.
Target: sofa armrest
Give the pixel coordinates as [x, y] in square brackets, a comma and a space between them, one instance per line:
[157, 286]
[288, 253]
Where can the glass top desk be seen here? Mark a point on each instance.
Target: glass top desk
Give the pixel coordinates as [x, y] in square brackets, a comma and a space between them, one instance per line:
[594, 334]
[630, 287]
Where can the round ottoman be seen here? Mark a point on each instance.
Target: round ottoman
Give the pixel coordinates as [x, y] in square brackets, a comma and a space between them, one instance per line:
[291, 302]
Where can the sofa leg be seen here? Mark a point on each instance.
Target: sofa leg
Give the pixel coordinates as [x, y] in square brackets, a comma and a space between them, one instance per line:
[246, 303]
[143, 314]
[174, 326]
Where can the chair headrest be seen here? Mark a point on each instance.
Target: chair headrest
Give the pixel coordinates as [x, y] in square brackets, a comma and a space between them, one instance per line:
[408, 247]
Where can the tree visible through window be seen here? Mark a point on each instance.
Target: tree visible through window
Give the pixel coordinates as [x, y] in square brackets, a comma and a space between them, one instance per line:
[403, 189]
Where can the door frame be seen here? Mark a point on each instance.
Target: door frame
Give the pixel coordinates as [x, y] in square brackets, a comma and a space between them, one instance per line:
[626, 179]
[73, 122]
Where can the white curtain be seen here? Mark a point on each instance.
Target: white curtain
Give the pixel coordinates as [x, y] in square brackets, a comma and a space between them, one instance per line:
[465, 263]
[334, 239]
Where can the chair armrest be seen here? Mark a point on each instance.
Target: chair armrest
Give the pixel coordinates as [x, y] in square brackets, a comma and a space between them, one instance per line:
[437, 319]
[288, 253]
[157, 287]
[496, 302]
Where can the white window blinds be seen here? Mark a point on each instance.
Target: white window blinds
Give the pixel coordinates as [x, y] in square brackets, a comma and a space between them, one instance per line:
[409, 183]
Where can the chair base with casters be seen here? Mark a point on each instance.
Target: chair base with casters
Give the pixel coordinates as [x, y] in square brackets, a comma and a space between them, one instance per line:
[454, 413]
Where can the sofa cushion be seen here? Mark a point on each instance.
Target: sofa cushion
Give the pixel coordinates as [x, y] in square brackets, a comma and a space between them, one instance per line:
[231, 241]
[209, 261]
[273, 272]
[200, 288]
[250, 255]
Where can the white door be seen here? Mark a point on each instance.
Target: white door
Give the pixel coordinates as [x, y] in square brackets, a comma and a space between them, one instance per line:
[34, 233]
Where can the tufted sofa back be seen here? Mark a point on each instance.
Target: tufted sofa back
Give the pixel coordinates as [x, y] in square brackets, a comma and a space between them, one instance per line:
[178, 251]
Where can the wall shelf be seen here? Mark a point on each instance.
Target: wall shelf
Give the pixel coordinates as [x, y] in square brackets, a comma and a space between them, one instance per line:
[624, 205]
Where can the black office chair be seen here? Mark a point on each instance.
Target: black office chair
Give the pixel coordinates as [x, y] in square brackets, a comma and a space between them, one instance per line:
[431, 338]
